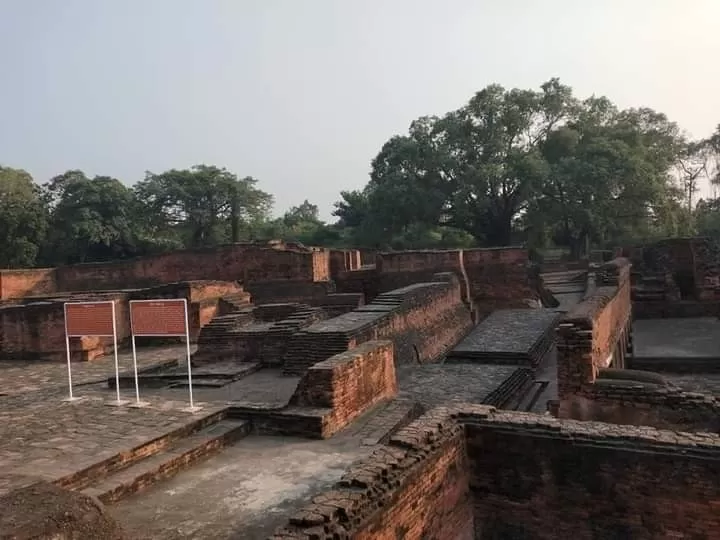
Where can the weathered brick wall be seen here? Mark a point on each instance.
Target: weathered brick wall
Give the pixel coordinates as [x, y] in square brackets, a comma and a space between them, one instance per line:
[639, 403]
[422, 320]
[36, 331]
[415, 487]
[349, 383]
[498, 278]
[594, 334]
[541, 478]
[475, 472]
[20, 283]
[236, 262]
[675, 268]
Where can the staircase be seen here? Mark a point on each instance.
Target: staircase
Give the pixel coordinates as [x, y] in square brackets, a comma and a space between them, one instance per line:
[157, 460]
[232, 303]
[651, 288]
[217, 338]
[308, 348]
[277, 337]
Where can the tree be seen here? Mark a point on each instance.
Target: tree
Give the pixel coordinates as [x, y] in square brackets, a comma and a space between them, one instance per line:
[91, 219]
[608, 174]
[472, 169]
[203, 206]
[23, 219]
[539, 161]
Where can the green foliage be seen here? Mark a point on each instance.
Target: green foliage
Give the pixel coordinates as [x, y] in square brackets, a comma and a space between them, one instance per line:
[203, 206]
[535, 166]
[23, 219]
[542, 164]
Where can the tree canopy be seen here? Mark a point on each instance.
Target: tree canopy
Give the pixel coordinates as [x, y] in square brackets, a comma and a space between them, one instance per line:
[540, 166]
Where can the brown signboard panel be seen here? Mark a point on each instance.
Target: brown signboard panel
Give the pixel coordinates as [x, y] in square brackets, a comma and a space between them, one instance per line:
[89, 319]
[158, 317]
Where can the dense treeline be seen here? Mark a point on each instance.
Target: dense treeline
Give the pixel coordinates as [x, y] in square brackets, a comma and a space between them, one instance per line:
[511, 166]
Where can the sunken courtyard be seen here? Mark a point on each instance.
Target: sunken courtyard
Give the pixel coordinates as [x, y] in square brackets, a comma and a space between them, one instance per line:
[349, 394]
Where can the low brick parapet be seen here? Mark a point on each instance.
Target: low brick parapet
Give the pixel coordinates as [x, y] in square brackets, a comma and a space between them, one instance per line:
[349, 383]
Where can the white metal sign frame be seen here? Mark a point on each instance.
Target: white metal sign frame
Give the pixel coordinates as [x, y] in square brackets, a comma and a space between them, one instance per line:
[186, 334]
[118, 401]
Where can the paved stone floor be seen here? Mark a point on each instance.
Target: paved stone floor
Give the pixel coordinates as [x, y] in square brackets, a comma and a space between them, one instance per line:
[22, 377]
[663, 338]
[436, 384]
[245, 492]
[43, 437]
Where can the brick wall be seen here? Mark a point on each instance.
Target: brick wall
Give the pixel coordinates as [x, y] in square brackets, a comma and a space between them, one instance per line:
[540, 478]
[236, 262]
[474, 472]
[642, 403]
[349, 383]
[20, 283]
[36, 331]
[498, 279]
[414, 487]
[422, 320]
[594, 334]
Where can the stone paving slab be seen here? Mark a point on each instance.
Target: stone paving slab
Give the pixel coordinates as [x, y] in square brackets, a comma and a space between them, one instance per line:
[18, 377]
[439, 384]
[513, 331]
[677, 338]
[43, 437]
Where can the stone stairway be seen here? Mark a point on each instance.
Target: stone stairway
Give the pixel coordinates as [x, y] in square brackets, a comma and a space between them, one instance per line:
[157, 460]
[650, 288]
[217, 338]
[305, 350]
[232, 303]
[276, 338]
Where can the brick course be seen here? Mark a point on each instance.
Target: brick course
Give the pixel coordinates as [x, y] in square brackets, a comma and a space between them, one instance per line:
[471, 471]
[349, 383]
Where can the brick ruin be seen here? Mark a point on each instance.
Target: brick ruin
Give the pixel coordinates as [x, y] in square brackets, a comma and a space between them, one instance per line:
[476, 472]
[624, 454]
[675, 277]
[224, 280]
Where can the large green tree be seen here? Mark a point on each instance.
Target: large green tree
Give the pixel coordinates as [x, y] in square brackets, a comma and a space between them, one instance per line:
[542, 163]
[23, 219]
[202, 206]
[91, 219]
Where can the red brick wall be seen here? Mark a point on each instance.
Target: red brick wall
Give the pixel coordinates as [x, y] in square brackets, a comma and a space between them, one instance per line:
[349, 383]
[237, 262]
[592, 331]
[642, 404]
[20, 283]
[498, 279]
[542, 478]
[415, 487]
[475, 472]
[36, 331]
[415, 261]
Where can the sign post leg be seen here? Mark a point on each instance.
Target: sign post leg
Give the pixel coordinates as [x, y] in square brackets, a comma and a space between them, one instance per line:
[137, 403]
[192, 407]
[117, 401]
[69, 362]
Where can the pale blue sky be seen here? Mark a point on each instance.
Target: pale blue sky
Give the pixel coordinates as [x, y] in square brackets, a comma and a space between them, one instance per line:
[302, 93]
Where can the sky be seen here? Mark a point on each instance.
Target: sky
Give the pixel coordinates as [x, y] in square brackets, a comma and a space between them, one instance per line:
[301, 94]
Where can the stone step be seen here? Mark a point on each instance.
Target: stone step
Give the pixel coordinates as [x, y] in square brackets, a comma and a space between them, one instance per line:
[102, 469]
[528, 399]
[389, 420]
[166, 464]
